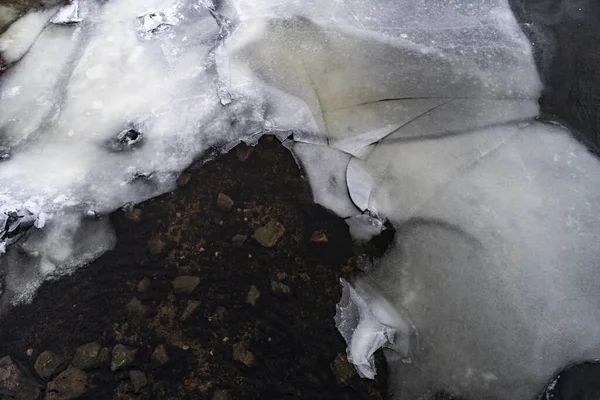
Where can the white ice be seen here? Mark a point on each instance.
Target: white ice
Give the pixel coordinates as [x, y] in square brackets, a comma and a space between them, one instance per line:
[417, 112]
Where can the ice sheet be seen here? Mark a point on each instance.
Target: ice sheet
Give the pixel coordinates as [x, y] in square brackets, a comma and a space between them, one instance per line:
[416, 112]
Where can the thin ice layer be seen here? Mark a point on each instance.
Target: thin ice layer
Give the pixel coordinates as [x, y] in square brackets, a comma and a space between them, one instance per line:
[493, 209]
[66, 104]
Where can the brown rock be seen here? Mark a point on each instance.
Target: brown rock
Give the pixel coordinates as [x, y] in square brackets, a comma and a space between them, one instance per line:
[14, 384]
[189, 310]
[342, 369]
[184, 179]
[122, 356]
[185, 284]
[156, 246]
[238, 240]
[224, 202]
[86, 356]
[48, 364]
[144, 285]
[221, 395]
[241, 354]
[253, 295]
[243, 151]
[270, 234]
[219, 315]
[134, 215]
[280, 289]
[138, 379]
[319, 237]
[136, 309]
[160, 355]
[70, 384]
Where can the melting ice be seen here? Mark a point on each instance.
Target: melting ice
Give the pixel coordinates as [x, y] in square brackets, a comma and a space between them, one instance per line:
[421, 113]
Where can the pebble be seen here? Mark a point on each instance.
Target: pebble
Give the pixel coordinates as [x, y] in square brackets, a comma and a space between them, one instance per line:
[156, 246]
[48, 364]
[253, 295]
[342, 369]
[224, 202]
[185, 284]
[319, 237]
[136, 309]
[122, 356]
[241, 354]
[70, 384]
[138, 379]
[86, 356]
[134, 215]
[159, 355]
[238, 240]
[189, 310]
[184, 179]
[221, 395]
[280, 289]
[270, 234]
[144, 285]
[243, 152]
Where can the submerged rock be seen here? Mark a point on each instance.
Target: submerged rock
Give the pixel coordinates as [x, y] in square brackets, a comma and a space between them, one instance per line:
[14, 383]
[69, 385]
[185, 284]
[48, 364]
[342, 369]
[242, 354]
[122, 356]
[138, 379]
[224, 202]
[253, 295]
[270, 234]
[86, 356]
[280, 289]
[160, 355]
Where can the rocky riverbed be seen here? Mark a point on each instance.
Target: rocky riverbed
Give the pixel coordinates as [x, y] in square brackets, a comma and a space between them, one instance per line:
[223, 289]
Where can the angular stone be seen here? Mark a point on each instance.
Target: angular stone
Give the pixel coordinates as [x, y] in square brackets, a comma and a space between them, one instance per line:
[189, 310]
[342, 369]
[184, 179]
[241, 354]
[86, 356]
[48, 364]
[156, 246]
[14, 384]
[122, 356]
[270, 234]
[144, 285]
[319, 237]
[253, 295]
[224, 202]
[280, 289]
[160, 355]
[135, 215]
[243, 152]
[238, 240]
[185, 284]
[135, 308]
[138, 379]
[221, 395]
[70, 384]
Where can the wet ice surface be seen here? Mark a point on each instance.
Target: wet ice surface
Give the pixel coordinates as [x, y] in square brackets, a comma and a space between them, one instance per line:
[417, 112]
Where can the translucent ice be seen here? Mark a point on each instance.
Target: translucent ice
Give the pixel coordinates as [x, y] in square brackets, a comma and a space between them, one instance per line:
[421, 113]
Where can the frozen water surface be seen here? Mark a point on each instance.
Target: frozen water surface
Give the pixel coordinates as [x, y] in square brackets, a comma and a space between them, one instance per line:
[421, 113]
